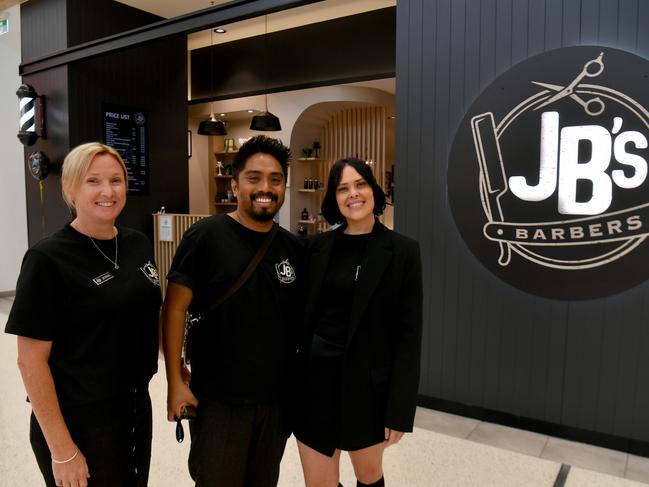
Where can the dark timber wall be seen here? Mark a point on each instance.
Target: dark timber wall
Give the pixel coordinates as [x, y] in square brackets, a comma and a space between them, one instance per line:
[302, 57]
[581, 365]
[150, 76]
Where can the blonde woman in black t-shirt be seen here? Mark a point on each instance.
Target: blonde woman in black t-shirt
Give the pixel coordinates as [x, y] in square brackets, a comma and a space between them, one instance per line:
[363, 321]
[85, 313]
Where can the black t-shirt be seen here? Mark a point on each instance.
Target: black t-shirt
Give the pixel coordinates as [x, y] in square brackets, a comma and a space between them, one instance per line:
[241, 352]
[338, 287]
[102, 321]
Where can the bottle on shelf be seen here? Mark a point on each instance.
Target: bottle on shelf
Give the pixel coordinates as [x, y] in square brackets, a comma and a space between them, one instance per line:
[306, 183]
[305, 214]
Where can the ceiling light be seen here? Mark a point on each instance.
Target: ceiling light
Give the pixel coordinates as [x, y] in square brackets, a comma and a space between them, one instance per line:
[266, 122]
[212, 126]
[220, 30]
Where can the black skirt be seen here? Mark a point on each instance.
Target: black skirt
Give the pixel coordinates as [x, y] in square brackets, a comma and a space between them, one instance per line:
[319, 415]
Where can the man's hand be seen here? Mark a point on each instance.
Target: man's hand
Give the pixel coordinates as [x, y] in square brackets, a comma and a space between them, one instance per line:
[179, 396]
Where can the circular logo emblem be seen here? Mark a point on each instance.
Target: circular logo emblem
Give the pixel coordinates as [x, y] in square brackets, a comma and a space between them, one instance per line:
[547, 176]
[140, 118]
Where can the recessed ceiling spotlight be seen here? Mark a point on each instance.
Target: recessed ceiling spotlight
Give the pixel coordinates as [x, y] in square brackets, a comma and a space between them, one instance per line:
[220, 30]
[250, 111]
[222, 114]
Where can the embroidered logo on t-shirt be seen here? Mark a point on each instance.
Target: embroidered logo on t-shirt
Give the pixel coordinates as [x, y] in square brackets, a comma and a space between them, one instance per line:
[151, 273]
[105, 277]
[285, 272]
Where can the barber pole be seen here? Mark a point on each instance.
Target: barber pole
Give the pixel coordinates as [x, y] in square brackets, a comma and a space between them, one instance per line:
[27, 98]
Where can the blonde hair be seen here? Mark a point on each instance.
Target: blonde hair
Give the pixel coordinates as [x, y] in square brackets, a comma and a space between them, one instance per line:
[77, 163]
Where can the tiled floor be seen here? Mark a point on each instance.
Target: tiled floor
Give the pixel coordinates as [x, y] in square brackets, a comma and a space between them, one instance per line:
[589, 457]
[577, 455]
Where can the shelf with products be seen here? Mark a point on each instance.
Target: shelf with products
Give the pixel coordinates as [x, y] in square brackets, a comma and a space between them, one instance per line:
[220, 181]
[307, 193]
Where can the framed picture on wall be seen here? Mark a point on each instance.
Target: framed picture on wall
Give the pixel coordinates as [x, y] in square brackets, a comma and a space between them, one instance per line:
[389, 186]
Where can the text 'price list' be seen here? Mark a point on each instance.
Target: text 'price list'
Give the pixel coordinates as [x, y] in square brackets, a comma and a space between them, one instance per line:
[126, 132]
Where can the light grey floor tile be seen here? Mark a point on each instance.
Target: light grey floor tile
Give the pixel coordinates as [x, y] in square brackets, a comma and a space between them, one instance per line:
[637, 468]
[509, 438]
[585, 456]
[445, 423]
[5, 305]
[580, 477]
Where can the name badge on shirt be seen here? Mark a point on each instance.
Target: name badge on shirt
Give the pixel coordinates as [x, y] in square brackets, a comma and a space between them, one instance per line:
[105, 277]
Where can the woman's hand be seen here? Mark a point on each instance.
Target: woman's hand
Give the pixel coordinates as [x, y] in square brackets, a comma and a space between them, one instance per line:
[392, 437]
[179, 396]
[73, 473]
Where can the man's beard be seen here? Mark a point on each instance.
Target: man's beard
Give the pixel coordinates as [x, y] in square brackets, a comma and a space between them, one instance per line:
[263, 214]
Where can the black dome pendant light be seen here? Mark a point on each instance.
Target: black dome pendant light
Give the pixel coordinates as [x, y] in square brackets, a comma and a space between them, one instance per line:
[266, 121]
[212, 126]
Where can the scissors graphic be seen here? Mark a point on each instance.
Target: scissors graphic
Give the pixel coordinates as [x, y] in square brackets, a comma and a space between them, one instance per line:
[594, 106]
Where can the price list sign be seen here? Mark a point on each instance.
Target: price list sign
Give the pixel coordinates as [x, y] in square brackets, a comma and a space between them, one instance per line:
[125, 130]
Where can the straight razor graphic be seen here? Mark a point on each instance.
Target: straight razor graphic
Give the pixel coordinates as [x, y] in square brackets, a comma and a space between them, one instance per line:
[493, 180]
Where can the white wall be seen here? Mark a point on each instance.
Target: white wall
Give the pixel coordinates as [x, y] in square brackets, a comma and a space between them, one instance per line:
[199, 172]
[13, 212]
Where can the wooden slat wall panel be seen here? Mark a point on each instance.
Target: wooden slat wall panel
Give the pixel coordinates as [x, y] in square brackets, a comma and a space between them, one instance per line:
[164, 251]
[485, 343]
[356, 132]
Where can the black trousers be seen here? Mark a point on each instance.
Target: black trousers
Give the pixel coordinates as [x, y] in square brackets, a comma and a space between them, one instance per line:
[236, 445]
[114, 436]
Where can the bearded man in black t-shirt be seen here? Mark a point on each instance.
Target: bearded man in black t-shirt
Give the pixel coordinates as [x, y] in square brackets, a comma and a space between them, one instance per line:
[242, 351]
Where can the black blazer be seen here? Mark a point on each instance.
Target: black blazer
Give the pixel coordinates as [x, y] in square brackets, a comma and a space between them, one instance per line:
[382, 353]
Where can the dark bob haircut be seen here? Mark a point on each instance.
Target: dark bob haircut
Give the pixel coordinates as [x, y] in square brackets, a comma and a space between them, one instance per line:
[330, 209]
[264, 145]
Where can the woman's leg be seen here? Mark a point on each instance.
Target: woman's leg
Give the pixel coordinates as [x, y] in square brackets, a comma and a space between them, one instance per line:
[368, 463]
[319, 470]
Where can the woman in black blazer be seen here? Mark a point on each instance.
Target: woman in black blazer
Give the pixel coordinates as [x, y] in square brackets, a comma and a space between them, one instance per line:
[363, 334]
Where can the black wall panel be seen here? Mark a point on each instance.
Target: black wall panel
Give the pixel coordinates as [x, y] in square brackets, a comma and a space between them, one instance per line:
[106, 17]
[54, 25]
[152, 77]
[43, 28]
[353, 48]
[45, 207]
[581, 365]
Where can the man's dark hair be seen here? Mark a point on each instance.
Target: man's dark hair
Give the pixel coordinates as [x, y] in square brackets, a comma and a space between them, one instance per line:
[264, 145]
[330, 209]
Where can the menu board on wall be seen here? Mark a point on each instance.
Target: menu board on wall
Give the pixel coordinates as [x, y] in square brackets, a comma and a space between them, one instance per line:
[125, 130]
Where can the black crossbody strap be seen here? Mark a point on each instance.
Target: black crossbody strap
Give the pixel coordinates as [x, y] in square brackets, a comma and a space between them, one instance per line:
[252, 265]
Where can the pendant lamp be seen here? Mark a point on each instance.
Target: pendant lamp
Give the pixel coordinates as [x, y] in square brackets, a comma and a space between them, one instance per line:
[212, 126]
[266, 122]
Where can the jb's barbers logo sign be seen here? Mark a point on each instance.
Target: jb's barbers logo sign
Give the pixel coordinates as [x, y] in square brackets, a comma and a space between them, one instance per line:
[548, 178]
